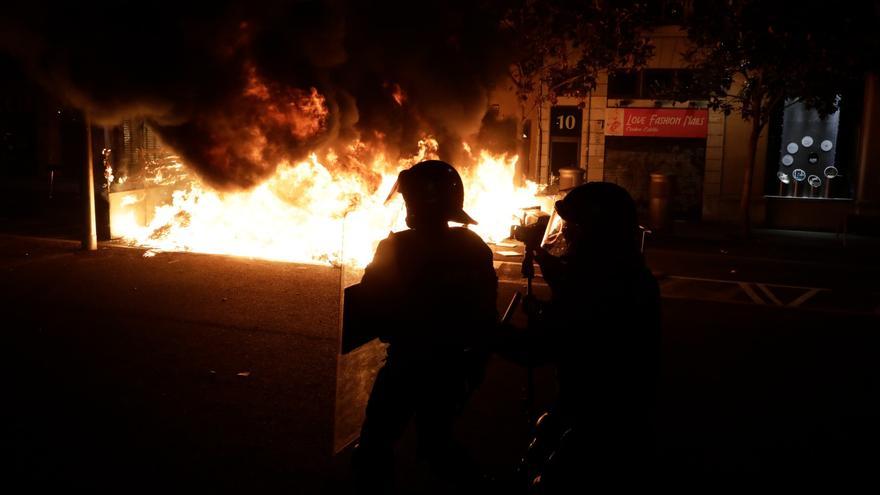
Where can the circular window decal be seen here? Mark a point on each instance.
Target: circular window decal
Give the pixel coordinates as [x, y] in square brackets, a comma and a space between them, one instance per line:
[792, 148]
[807, 141]
[813, 158]
[799, 175]
[826, 145]
[831, 172]
[814, 181]
[787, 160]
[783, 177]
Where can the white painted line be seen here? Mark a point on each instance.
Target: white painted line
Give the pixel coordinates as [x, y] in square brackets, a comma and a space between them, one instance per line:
[522, 282]
[668, 285]
[803, 298]
[751, 293]
[770, 295]
[698, 279]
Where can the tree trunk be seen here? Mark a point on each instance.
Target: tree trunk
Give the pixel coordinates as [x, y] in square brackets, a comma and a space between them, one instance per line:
[522, 150]
[745, 205]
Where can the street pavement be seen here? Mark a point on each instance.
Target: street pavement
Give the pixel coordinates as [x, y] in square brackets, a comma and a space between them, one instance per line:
[187, 371]
[173, 371]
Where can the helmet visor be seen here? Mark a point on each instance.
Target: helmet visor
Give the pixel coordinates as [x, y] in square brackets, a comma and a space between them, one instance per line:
[554, 241]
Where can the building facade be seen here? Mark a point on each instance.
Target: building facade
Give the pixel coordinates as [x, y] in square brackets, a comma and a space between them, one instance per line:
[625, 131]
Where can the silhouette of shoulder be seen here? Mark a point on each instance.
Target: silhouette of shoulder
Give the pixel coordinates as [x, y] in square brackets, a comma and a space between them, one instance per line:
[457, 240]
[471, 242]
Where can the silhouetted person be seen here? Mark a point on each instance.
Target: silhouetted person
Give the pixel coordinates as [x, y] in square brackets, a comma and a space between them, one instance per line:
[433, 292]
[601, 329]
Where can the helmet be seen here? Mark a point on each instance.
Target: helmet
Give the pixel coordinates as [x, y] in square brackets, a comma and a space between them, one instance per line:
[433, 187]
[600, 205]
[602, 213]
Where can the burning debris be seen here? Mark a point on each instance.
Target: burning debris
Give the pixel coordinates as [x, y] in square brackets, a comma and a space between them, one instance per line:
[305, 213]
[283, 125]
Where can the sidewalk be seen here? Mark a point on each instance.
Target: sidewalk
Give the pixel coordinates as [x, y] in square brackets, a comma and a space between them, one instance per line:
[791, 245]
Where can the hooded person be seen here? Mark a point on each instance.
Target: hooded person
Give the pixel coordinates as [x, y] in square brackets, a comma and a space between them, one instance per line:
[432, 290]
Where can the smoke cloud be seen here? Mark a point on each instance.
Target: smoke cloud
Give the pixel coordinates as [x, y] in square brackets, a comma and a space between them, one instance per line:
[240, 86]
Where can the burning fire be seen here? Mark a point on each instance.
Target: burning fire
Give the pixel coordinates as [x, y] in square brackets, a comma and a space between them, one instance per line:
[304, 213]
[328, 210]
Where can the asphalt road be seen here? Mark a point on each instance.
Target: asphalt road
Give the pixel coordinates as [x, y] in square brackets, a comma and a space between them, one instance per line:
[130, 372]
[186, 371]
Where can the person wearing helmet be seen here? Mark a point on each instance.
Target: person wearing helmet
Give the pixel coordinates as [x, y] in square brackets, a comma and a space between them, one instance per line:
[432, 290]
[601, 330]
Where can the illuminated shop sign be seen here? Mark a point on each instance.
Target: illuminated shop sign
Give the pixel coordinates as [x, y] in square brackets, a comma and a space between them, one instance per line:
[657, 122]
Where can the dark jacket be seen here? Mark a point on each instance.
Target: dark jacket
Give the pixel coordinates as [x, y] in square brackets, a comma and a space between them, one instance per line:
[433, 293]
[602, 330]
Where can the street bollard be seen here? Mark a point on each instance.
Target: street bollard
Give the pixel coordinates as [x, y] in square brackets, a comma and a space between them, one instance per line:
[658, 206]
[570, 177]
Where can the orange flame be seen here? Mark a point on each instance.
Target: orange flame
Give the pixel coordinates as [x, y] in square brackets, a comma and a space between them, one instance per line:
[311, 212]
[304, 112]
[398, 94]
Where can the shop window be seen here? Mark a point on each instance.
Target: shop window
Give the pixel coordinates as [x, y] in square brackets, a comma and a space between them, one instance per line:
[624, 84]
[630, 161]
[664, 12]
[809, 163]
[658, 84]
[655, 84]
[689, 86]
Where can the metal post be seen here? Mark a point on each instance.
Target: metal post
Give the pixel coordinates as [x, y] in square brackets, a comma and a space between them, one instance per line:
[586, 165]
[539, 173]
[528, 271]
[90, 237]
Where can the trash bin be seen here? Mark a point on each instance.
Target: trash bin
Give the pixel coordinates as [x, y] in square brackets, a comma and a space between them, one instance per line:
[570, 177]
[658, 206]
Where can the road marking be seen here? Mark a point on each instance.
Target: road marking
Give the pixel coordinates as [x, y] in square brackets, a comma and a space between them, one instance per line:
[699, 279]
[751, 293]
[669, 283]
[804, 298]
[766, 288]
[770, 295]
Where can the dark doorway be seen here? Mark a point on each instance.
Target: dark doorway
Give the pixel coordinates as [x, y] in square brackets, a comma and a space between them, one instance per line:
[563, 154]
[565, 138]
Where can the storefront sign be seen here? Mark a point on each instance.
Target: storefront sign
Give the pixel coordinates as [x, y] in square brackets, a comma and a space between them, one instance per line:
[657, 122]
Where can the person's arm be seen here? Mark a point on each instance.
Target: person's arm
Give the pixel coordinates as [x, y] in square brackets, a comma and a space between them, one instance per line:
[381, 288]
[554, 270]
[480, 290]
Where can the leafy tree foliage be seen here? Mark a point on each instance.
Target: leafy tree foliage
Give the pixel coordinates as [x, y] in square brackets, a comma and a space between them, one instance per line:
[561, 46]
[752, 56]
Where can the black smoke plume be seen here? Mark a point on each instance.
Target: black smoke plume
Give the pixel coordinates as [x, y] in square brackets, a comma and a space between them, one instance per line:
[236, 87]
